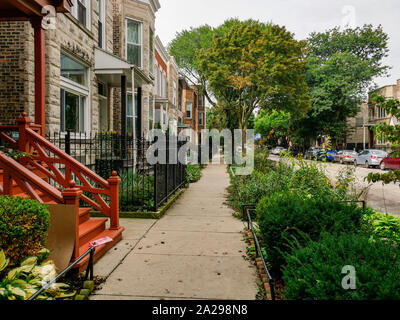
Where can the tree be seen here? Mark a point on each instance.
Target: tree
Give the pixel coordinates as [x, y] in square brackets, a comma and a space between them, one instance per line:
[256, 65]
[272, 125]
[391, 132]
[341, 66]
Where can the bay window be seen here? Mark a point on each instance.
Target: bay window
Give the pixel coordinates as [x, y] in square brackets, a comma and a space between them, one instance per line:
[134, 42]
[81, 11]
[74, 95]
[102, 24]
[189, 106]
[132, 118]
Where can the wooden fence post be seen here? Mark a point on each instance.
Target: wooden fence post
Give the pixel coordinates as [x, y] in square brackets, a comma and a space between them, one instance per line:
[71, 196]
[114, 182]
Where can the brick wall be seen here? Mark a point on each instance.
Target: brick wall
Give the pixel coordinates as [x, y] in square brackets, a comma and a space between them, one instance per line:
[16, 68]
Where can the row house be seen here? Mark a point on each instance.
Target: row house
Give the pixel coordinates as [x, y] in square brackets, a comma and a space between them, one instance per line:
[74, 66]
[369, 116]
[167, 113]
[98, 57]
[192, 103]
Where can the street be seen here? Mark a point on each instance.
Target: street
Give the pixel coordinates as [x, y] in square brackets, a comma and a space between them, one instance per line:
[385, 198]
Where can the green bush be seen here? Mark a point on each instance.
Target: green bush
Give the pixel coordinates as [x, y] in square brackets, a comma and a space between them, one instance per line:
[193, 173]
[287, 215]
[261, 159]
[314, 272]
[384, 227]
[23, 228]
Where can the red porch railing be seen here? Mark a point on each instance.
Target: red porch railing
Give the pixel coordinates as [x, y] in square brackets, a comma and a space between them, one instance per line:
[98, 193]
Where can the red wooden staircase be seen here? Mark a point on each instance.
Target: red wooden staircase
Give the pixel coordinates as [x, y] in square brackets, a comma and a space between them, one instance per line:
[42, 166]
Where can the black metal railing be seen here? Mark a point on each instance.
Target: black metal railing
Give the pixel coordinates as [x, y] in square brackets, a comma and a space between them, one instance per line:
[144, 187]
[259, 253]
[88, 274]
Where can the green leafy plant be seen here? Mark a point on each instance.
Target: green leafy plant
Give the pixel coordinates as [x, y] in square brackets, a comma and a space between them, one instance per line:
[32, 274]
[193, 173]
[314, 271]
[23, 228]
[384, 227]
[287, 215]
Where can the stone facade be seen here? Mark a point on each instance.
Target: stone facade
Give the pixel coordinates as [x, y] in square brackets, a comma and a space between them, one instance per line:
[143, 12]
[369, 116]
[76, 41]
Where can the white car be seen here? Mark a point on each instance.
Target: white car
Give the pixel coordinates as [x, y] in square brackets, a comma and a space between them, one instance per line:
[278, 150]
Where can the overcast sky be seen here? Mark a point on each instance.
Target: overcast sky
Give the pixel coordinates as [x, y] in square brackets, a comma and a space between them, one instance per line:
[299, 16]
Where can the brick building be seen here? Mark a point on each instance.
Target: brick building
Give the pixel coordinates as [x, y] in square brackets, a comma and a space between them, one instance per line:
[370, 115]
[96, 55]
[194, 111]
[167, 114]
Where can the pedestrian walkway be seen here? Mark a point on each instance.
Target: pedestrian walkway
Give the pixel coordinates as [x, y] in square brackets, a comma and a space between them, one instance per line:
[196, 251]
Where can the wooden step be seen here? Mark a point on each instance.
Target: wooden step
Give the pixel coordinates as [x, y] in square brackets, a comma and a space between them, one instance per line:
[91, 229]
[116, 235]
[84, 214]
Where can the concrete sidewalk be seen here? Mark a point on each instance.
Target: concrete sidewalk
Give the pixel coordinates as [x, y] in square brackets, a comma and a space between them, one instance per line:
[196, 251]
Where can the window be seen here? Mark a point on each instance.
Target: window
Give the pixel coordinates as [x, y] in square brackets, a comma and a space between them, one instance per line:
[189, 110]
[74, 95]
[175, 93]
[81, 11]
[73, 70]
[151, 113]
[200, 118]
[381, 113]
[132, 117]
[151, 52]
[134, 42]
[102, 24]
[164, 85]
[201, 99]
[72, 111]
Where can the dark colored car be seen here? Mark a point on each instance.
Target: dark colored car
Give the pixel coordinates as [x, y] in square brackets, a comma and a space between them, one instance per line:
[327, 155]
[390, 162]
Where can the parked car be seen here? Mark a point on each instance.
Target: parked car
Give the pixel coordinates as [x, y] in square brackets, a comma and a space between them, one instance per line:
[311, 154]
[390, 162]
[345, 156]
[370, 158]
[278, 150]
[325, 154]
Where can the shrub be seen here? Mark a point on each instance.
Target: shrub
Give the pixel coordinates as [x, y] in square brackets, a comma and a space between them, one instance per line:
[193, 173]
[384, 227]
[287, 215]
[23, 228]
[261, 159]
[314, 272]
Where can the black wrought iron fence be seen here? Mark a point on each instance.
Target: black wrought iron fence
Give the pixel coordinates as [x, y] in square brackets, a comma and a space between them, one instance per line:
[144, 187]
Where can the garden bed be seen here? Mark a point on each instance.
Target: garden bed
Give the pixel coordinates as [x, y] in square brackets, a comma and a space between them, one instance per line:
[314, 237]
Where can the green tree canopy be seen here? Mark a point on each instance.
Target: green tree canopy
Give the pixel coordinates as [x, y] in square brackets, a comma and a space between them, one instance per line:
[256, 65]
[272, 125]
[185, 48]
[341, 66]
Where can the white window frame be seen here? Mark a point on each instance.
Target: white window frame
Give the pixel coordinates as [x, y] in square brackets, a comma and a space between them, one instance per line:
[141, 39]
[175, 93]
[88, 5]
[151, 53]
[201, 117]
[81, 90]
[191, 110]
[102, 19]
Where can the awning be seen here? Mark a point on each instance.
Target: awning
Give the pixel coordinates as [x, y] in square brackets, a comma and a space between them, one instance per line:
[109, 68]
